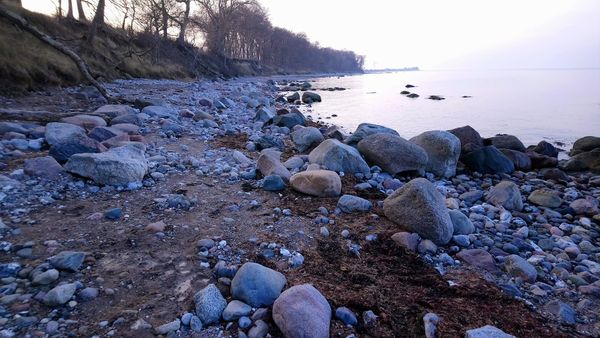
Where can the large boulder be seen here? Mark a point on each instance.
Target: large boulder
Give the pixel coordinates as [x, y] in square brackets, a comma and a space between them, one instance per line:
[584, 161]
[88, 122]
[443, 151]
[469, 138]
[118, 166]
[44, 167]
[320, 183]
[366, 129]
[67, 139]
[301, 312]
[257, 285]
[209, 304]
[585, 144]
[310, 97]
[336, 156]
[488, 160]
[264, 114]
[268, 163]
[544, 148]
[304, 138]
[504, 141]
[393, 154]
[420, 208]
[505, 194]
[290, 120]
[519, 159]
[539, 161]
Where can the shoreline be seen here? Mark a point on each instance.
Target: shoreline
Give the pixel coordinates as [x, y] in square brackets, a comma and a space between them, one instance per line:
[200, 186]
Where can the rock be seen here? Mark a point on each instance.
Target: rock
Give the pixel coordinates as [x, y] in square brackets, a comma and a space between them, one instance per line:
[545, 148]
[259, 330]
[140, 324]
[505, 194]
[46, 277]
[302, 311]
[127, 119]
[393, 154]
[264, 114]
[60, 294]
[585, 144]
[88, 294]
[304, 138]
[487, 331]
[336, 133]
[269, 141]
[14, 127]
[350, 204]
[461, 223]
[209, 304]
[443, 151]
[118, 166]
[156, 227]
[257, 285]
[469, 138]
[478, 258]
[127, 128]
[43, 167]
[235, 310]
[545, 198]
[114, 110]
[520, 160]
[564, 312]
[113, 214]
[9, 269]
[310, 97]
[320, 183]
[366, 129]
[555, 174]
[338, 157]
[471, 197]
[67, 139]
[293, 97]
[504, 141]
[488, 160]
[101, 134]
[294, 162]
[268, 163]
[407, 240]
[169, 327]
[585, 206]
[88, 122]
[273, 183]
[290, 120]
[160, 111]
[517, 266]
[539, 161]
[346, 316]
[420, 208]
[68, 260]
[584, 161]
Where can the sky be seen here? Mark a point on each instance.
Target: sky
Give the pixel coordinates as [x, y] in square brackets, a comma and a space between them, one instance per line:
[443, 34]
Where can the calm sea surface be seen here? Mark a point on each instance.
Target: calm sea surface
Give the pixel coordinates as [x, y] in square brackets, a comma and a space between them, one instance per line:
[555, 105]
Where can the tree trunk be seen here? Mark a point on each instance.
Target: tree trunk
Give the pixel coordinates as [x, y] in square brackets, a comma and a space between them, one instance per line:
[80, 12]
[70, 10]
[184, 23]
[59, 9]
[97, 22]
[83, 68]
[165, 20]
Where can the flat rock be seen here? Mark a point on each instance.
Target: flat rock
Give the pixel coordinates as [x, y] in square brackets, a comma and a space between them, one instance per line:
[393, 154]
[478, 258]
[339, 157]
[301, 311]
[44, 167]
[545, 198]
[118, 166]
[320, 183]
[257, 285]
[420, 208]
[114, 110]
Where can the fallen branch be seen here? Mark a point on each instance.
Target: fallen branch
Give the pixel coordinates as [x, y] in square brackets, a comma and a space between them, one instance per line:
[40, 116]
[25, 25]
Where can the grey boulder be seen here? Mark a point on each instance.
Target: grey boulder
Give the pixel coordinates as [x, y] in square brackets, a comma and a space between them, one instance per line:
[504, 141]
[350, 204]
[209, 304]
[517, 266]
[393, 154]
[301, 312]
[304, 138]
[443, 151]
[505, 194]
[336, 156]
[366, 129]
[67, 139]
[469, 138]
[60, 294]
[44, 167]
[420, 208]
[67, 260]
[268, 163]
[257, 285]
[487, 331]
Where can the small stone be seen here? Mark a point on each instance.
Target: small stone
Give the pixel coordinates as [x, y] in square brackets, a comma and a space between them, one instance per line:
[349, 204]
[346, 316]
[60, 294]
[169, 327]
[517, 266]
[113, 214]
[236, 309]
[259, 330]
[68, 260]
[156, 227]
[46, 277]
[244, 322]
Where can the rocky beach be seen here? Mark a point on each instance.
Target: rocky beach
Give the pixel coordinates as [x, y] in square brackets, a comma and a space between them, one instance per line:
[224, 209]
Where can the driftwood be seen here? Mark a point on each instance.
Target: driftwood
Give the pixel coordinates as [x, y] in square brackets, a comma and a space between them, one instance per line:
[41, 115]
[81, 65]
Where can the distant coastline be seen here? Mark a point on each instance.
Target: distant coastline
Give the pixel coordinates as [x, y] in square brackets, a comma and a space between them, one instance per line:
[391, 70]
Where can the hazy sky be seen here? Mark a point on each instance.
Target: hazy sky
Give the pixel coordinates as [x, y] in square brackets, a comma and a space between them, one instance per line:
[446, 34]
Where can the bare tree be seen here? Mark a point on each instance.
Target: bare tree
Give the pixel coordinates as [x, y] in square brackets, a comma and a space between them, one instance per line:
[97, 22]
[70, 10]
[184, 21]
[80, 12]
